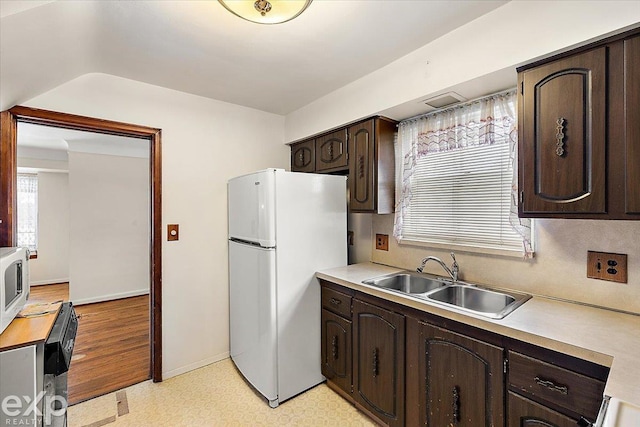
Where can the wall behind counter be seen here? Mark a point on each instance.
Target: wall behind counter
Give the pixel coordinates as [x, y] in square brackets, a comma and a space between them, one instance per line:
[559, 268]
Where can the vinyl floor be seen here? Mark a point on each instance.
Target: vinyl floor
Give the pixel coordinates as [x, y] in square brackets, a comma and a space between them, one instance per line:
[215, 395]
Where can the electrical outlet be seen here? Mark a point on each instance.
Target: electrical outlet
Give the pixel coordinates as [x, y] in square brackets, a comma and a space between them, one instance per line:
[382, 242]
[607, 266]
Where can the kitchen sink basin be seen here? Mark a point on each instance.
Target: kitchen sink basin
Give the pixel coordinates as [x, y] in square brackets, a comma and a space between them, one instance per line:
[407, 282]
[478, 300]
[459, 295]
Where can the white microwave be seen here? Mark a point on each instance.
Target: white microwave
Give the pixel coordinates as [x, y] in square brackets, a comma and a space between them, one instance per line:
[14, 283]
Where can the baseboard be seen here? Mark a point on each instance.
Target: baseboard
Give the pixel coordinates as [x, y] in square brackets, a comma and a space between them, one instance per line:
[110, 297]
[196, 365]
[48, 282]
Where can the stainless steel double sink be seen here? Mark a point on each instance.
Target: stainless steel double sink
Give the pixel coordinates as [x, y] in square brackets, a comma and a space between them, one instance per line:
[459, 295]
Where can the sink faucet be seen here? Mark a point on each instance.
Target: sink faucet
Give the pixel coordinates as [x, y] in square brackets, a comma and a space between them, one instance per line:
[453, 271]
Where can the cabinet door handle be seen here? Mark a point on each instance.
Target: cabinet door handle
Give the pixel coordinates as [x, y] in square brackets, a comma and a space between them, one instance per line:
[560, 128]
[456, 405]
[552, 386]
[375, 362]
[335, 301]
[361, 166]
[334, 347]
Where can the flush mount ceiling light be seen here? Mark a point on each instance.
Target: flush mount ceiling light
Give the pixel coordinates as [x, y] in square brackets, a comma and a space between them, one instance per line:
[266, 12]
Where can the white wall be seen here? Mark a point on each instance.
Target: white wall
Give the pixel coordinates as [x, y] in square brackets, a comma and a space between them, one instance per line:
[508, 36]
[204, 143]
[52, 264]
[109, 230]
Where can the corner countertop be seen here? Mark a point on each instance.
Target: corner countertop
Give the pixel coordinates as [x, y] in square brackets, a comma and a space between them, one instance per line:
[24, 331]
[598, 335]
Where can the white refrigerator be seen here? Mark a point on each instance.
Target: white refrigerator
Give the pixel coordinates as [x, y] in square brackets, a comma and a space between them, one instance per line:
[283, 227]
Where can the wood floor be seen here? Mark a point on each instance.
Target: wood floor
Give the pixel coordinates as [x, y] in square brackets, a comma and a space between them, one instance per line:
[112, 348]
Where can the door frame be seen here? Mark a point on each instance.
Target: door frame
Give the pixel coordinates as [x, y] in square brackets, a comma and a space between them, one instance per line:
[9, 120]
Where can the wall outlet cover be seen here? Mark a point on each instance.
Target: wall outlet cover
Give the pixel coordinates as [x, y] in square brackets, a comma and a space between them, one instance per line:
[382, 242]
[607, 266]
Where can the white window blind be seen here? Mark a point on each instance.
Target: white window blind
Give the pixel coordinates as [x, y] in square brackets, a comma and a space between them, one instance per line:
[27, 195]
[463, 197]
[457, 179]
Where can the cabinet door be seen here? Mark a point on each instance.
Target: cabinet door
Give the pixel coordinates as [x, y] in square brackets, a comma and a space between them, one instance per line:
[331, 151]
[462, 380]
[526, 413]
[336, 350]
[632, 105]
[362, 178]
[562, 144]
[378, 374]
[303, 156]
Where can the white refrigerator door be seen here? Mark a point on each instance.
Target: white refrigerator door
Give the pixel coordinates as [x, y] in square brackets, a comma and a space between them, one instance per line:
[252, 308]
[311, 224]
[252, 208]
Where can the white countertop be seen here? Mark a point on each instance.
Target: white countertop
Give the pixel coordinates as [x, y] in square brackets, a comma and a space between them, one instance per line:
[601, 336]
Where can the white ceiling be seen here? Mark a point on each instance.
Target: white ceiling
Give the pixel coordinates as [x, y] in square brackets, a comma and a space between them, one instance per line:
[200, 48]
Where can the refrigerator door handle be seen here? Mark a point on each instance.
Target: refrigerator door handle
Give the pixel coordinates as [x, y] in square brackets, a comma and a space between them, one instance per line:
[245, 242]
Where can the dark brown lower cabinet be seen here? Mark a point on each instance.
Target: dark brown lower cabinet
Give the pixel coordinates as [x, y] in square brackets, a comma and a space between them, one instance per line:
[403, 367]
[461, 380]
[527, 413]
[378, 370]
[336, 350]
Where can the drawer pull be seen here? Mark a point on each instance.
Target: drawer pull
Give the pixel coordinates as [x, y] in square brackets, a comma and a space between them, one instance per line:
[551, 386]
[335, 301]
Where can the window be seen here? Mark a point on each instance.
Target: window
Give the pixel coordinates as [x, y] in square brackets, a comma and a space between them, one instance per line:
[457, 182]
[27, 195]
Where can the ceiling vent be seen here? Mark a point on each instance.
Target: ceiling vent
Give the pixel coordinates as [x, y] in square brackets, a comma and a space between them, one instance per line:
[444, 100]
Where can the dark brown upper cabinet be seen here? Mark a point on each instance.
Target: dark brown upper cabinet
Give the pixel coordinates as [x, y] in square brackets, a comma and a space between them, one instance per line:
[564, 135]
[632, 125]
[331, 152]
[579, 137]
[303, 156]
[372, 166]
[365, 152]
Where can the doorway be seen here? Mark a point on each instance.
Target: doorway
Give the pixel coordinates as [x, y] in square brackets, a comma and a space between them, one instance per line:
[8, 209]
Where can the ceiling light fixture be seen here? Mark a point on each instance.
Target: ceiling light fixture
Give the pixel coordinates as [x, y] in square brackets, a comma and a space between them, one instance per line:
[266, 12]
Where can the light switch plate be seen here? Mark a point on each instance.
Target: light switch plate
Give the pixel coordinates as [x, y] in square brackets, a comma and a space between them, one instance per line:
[173, 232]
[607, 266]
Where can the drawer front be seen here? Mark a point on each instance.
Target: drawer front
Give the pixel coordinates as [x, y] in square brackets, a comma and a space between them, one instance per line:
[577, 393]
[337, 302]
